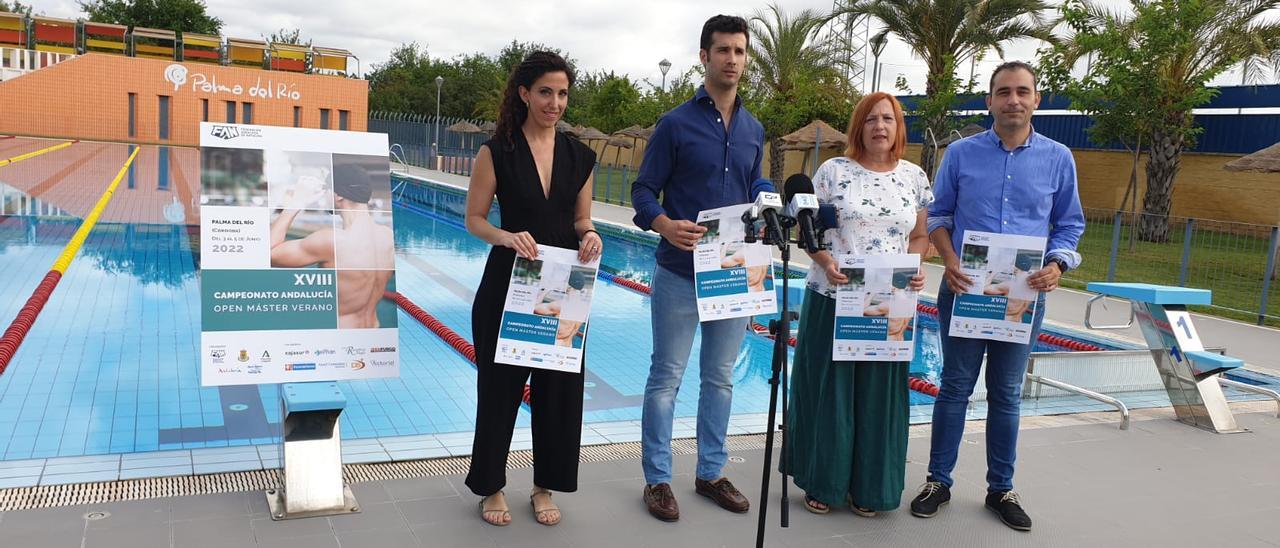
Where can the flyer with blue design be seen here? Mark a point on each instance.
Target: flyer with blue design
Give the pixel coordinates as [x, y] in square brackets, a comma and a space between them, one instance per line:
[876, 308]
[732, 278]
[999, 305]
[544, 321]
[297, 256]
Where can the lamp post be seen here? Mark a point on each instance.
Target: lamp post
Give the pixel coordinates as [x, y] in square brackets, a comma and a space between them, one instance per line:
[435, 145]
[664, 65]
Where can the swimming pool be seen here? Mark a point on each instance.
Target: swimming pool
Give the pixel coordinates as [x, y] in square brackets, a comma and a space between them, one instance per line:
[110, 367]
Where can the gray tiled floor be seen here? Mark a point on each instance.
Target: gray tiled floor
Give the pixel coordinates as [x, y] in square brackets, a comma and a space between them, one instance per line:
[1159, 484]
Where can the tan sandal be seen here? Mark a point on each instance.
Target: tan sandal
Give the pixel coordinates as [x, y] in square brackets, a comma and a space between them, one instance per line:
[503, 516]
[859, 510]
[541, 515]
[811, 504]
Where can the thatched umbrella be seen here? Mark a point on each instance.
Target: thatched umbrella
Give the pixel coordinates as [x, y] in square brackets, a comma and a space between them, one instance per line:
[817, 132]
[592, 134]
[621, 142]
[466, 128]
[564, 127]
[489, 127]
[634, 132]
[966, 131]
[817, 135]
[1266, 160]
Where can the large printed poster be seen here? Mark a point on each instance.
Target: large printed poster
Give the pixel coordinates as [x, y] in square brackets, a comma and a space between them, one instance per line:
[732, 278]
[296, 255]
[999, 304]
[875, 310]
[544, 320]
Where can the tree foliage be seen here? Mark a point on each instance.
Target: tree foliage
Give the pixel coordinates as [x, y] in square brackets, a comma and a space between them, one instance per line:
[177, 15]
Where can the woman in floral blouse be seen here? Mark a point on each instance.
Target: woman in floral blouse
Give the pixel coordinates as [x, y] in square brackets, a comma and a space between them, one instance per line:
[847, 431]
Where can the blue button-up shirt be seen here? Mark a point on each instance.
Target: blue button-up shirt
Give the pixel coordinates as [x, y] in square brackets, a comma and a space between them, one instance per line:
[1029, 191]
[695, 164]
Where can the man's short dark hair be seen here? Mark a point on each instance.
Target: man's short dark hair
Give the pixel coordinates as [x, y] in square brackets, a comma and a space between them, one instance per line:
[1014, 65]
[728, 24]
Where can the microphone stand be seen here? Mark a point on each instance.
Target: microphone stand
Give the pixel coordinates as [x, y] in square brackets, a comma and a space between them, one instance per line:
[781, 331]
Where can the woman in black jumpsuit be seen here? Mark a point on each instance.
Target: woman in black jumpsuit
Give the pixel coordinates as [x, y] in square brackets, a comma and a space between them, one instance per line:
[542, 180]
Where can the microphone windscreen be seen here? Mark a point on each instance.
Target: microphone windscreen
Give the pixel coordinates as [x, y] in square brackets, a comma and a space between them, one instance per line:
[798, 184]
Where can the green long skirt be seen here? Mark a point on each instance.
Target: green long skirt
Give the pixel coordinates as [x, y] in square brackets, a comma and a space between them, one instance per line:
[847, 431]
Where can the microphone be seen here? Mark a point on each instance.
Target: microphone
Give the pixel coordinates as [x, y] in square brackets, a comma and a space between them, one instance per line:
[802, 205]
[769, 206]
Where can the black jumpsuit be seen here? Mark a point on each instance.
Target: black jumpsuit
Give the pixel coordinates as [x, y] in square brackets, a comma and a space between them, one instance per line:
[555, 397]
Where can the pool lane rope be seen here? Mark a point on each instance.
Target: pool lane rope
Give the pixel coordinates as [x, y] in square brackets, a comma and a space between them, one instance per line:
[17, 331]
[33, 154]
[449, 336]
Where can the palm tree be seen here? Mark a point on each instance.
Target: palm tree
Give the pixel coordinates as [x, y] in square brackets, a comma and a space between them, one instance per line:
[946, 33]
[798, 76]
[1182, 45]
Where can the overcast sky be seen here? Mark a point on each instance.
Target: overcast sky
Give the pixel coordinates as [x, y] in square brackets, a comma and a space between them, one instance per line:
[626, 37]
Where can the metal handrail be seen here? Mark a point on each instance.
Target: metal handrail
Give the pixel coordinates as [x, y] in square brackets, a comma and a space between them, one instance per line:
[1246, 387]
[1088, 313]
[399, 158]
[1119, 405]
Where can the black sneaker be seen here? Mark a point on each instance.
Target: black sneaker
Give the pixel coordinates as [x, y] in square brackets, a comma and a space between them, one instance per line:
[932, 496]
[1006, 505]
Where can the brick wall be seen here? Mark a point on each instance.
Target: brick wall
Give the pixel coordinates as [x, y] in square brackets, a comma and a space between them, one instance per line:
[88, 98]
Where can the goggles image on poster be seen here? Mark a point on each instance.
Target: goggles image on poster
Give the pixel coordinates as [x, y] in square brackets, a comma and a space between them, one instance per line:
[732, 278]
[876, 309]
[544, 321]
[297, 255]
[999, 305]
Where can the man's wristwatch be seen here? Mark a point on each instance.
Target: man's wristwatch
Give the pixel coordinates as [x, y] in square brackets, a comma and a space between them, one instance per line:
[1062, 265]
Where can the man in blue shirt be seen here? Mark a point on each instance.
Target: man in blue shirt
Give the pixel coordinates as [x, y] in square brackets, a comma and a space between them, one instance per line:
[704, 154]
[1007, 180]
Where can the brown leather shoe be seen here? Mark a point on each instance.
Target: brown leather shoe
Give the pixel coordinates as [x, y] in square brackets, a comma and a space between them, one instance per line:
[724, 493]
[661, 502]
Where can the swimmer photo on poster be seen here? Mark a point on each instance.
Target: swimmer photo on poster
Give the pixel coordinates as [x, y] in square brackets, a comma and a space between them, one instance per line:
[548, 305]
[876, 309]
[999, 305]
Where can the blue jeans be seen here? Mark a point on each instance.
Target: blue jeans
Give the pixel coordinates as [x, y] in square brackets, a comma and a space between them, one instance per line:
[1006, 371]
[674, 310]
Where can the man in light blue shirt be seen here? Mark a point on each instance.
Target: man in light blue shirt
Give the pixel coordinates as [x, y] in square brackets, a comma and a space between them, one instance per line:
[1007, 180]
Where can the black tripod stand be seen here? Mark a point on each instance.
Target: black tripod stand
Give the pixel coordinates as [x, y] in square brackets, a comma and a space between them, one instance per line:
[781, 331]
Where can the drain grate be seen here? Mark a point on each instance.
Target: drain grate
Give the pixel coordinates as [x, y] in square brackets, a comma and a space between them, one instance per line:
[51, 496]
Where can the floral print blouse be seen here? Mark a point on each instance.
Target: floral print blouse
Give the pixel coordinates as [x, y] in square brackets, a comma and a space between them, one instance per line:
[877, 210]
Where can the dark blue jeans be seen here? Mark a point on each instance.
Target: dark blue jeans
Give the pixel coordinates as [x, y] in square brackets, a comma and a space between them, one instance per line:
[1006, 370]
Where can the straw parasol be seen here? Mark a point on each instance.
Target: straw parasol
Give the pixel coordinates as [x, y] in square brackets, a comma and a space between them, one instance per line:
[966, 131]
[592, 134]
[817, 132]
[489, 127]
[1266, 160]
[466, 128]
[634, 132]
[564, 127]
[817, 135]
[621, 142]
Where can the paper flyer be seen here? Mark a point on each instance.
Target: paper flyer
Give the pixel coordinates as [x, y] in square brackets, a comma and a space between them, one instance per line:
[876, 310]
[544, 320]
[999, 305]
[296, 255]
[732, 278]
